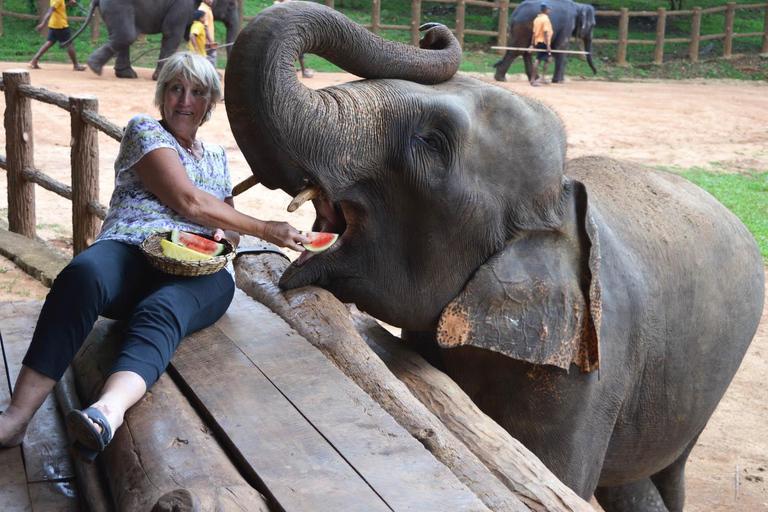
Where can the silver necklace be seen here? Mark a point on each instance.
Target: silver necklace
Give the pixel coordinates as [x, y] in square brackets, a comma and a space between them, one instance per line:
[190, 148]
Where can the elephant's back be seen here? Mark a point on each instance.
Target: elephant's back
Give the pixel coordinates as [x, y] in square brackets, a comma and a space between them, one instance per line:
[682, 277]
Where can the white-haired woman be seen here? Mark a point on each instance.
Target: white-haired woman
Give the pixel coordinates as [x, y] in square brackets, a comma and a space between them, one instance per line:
[165, 178]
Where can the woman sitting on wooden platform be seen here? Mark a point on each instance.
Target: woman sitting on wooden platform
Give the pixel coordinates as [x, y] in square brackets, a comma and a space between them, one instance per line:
[165, 178]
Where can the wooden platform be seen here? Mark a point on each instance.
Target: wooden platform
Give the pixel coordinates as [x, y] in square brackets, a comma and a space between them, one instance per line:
[297, 429]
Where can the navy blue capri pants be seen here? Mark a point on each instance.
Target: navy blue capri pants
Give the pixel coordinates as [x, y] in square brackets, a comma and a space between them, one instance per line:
[115, 280]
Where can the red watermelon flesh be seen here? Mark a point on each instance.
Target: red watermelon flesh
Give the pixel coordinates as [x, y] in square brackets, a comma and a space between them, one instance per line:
[319, 241]
[196, 243]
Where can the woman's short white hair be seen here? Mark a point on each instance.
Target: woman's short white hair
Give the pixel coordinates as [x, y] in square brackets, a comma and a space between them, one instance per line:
[195, 68]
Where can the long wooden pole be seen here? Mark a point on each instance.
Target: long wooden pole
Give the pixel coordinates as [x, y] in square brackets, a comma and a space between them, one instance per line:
[572, 52]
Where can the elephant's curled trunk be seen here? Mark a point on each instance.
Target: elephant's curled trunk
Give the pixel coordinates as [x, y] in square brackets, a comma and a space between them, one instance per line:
[269, 109]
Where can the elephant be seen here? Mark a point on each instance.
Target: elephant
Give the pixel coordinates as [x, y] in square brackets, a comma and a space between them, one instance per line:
[126, 19]
[596, 309]
[568, 19]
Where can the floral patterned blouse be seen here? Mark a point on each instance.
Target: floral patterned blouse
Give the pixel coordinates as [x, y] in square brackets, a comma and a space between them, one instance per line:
[135, 212]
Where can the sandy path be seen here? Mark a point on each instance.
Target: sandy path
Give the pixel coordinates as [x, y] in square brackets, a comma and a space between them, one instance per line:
[714, 125]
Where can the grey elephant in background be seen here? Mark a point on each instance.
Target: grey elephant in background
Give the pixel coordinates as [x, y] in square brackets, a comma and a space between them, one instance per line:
[568, 19]
[126, 19]
[596, 309]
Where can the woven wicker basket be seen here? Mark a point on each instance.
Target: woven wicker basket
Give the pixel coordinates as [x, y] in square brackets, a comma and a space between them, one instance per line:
[154, 253]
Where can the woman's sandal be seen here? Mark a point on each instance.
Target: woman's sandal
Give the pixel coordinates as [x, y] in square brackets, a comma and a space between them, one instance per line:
[89, 442]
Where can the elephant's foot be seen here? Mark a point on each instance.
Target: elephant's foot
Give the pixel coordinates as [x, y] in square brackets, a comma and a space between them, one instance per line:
[558, 81]
[96, 67]
[500, 76]
[125, 73]
[155, 75]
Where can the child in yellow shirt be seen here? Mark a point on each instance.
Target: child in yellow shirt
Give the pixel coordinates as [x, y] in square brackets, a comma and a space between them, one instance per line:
[197, 34]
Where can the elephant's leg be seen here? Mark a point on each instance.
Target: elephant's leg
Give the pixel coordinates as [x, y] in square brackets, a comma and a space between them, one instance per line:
[560, 61]
[640, 496]
[123, 67]
[171, 40]
[670, 481]
[99, 57]
[503, 65]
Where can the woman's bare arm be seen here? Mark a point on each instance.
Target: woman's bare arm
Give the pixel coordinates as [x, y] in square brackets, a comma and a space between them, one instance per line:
[163, 174]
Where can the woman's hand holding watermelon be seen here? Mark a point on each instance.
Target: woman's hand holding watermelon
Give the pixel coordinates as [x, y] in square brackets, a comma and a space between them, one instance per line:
[284, 235]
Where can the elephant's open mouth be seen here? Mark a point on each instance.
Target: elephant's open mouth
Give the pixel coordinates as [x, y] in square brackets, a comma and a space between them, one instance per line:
[331, 218]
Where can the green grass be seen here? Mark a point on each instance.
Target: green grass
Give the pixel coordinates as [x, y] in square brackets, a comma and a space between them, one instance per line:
[20, 41]
[745, 194]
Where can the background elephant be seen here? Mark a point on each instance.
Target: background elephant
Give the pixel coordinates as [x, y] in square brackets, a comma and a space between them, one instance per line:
[568, 19]
[596, 309]
[126, 19]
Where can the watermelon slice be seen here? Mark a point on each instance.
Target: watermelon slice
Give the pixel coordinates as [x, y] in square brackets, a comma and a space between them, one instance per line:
[179, 252]
[196, 243]
[319, 241]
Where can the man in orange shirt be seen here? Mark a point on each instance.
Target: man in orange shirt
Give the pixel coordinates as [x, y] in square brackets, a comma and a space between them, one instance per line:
[58, 30]
[542, 36]
[211, 46]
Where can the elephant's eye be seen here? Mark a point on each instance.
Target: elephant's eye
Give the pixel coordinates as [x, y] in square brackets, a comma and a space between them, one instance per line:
[428, 141]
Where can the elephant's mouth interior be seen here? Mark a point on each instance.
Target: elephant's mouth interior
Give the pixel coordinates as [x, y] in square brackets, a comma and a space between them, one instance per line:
[331, 218]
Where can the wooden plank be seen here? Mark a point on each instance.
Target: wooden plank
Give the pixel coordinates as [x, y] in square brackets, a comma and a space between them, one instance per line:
[54, 496]
[13, 479]
[46, 447]
[264, 432]
[395, 464]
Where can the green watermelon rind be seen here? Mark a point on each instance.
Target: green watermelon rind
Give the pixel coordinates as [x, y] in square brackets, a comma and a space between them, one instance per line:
[177, 238]
[319, 248]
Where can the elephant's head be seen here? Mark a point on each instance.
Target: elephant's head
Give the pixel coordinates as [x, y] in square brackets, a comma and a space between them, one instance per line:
[227, 12]
[426, 177]
[584, 29]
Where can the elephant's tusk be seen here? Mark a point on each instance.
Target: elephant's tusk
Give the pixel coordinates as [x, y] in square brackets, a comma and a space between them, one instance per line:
[302, 197]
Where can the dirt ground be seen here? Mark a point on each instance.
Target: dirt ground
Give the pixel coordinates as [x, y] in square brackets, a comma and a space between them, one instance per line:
[709, 124]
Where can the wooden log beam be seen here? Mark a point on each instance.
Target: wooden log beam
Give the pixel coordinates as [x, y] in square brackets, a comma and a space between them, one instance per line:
[92, 490]
[515, 465]
[163, 457]
[323, 321]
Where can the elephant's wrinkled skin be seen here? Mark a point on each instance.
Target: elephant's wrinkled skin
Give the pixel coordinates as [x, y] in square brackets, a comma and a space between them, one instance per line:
[126, 19]
[598, 317]
[568, 19]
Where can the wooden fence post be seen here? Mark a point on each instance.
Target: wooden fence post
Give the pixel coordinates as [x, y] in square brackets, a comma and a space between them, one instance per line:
[19, 149]
[693, 50]
[415, 22]
[730, 12]
[241, 11]
[96, 26]
[329, 3]
[621, 53]
[503, 18]
[375, 16]
[85, 172]
[460, 9]
[764, 49]
[661, 27]
[1, 18]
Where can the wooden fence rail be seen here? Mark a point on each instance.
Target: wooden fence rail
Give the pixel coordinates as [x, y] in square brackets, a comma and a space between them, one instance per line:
[503, 7]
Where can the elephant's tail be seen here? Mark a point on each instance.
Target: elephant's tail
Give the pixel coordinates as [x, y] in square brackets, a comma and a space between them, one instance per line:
[94, 4]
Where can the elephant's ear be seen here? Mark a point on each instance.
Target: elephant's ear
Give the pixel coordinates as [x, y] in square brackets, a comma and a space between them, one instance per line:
[539, 298]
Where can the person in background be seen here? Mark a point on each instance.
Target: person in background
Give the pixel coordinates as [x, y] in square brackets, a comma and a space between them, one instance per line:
[542, 36]
[58, 30]
[197, 34]
[207, 7]
[165, 178]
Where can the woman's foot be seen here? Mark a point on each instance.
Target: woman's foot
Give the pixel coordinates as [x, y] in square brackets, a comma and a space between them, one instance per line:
[13, 427]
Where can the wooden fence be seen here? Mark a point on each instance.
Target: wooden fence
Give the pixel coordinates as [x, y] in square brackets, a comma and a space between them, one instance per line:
[503, 6]
[19, 162]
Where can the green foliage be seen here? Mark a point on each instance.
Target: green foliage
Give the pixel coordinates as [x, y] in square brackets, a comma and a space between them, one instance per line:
[20, 41]
[745, 194]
